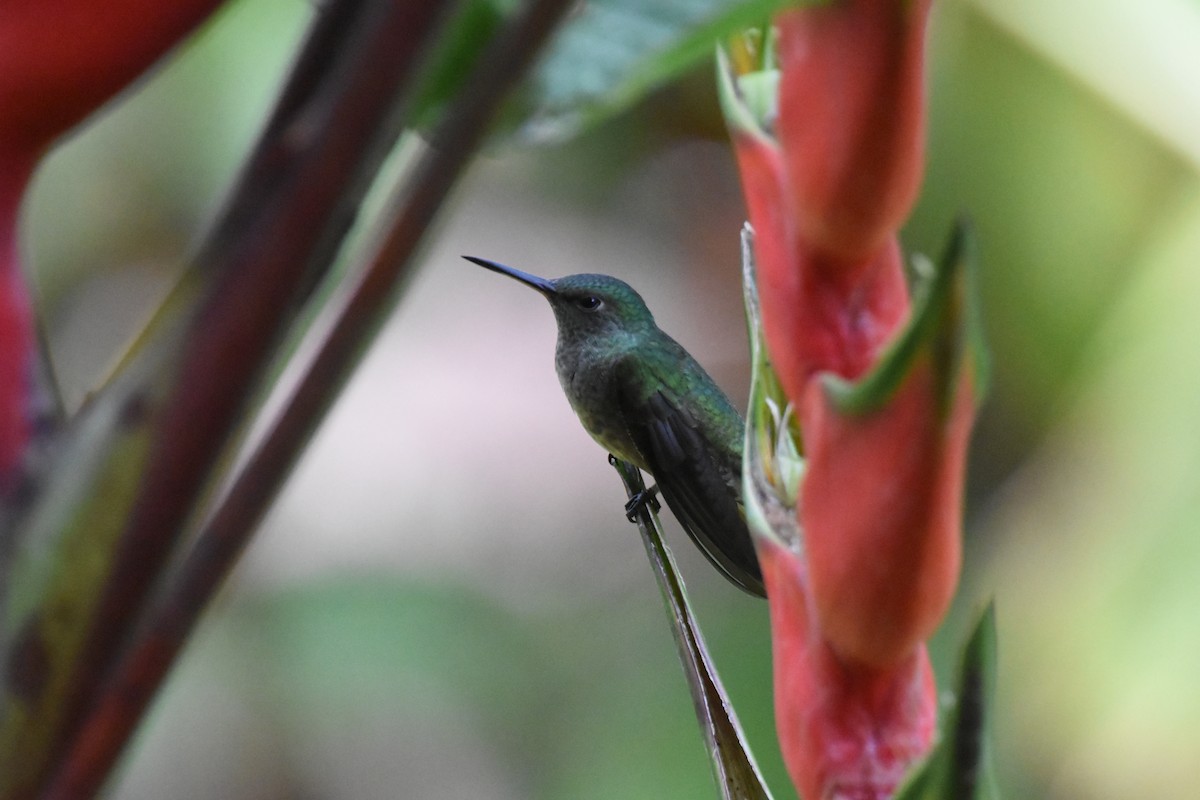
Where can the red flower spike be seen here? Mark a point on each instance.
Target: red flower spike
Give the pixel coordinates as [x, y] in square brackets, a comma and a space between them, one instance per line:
[59, 61]
[862, 560]
[876, 533]
[826, 193]
[826, 189]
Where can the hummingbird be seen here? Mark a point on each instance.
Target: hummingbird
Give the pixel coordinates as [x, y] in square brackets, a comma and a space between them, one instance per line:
[643, 398]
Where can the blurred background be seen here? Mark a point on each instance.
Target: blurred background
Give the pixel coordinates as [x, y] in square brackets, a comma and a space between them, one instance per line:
[447, 601]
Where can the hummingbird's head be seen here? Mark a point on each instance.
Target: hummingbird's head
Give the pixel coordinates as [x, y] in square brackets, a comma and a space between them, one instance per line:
[594, 305]
[586, 305]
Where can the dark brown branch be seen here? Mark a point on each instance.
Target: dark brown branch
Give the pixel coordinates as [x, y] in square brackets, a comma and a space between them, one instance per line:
[140, 673]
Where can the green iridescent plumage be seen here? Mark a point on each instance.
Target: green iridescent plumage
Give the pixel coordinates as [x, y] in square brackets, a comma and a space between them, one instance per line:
[643, 398]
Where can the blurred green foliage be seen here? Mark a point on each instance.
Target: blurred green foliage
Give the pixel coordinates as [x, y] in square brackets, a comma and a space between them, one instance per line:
[436, 677]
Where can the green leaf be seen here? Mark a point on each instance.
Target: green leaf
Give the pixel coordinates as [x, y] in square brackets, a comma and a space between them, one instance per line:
[945, 322]
[616, 51]
[734, 768]
[960, 767]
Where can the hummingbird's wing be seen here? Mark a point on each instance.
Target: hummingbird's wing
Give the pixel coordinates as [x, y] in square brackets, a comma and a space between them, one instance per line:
[696, 478]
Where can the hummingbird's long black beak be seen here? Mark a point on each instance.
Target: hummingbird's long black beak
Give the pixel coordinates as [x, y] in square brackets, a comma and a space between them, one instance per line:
[541, 284]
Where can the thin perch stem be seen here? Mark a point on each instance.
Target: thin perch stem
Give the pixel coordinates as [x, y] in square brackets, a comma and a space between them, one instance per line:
[737, 774]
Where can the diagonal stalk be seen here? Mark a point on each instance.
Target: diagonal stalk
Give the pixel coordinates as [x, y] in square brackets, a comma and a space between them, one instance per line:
[734, 768]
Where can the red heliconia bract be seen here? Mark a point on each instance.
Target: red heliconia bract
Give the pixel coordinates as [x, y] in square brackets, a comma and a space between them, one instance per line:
[881, 511]
[847, 733]
[852, 121]
[828, 180]
[59, 61]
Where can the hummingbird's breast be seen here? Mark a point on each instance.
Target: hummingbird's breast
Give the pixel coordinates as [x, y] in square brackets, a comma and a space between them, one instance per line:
[587, 372]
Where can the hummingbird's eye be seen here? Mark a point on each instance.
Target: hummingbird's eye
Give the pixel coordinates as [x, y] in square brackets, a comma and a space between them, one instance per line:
[589, 302]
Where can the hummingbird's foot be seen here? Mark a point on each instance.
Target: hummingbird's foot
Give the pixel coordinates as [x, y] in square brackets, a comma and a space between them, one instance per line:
[641, 500]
